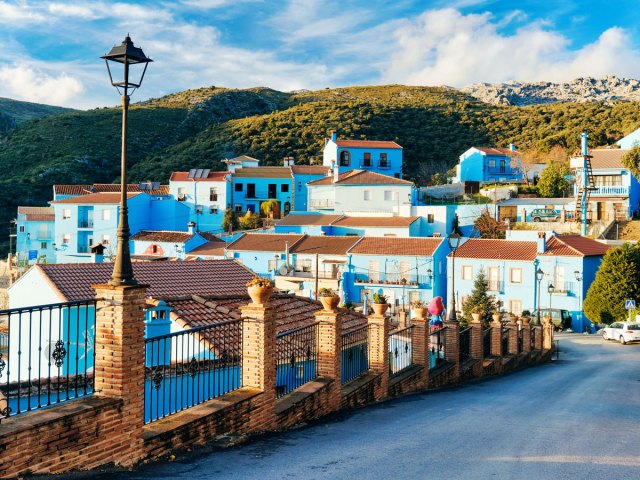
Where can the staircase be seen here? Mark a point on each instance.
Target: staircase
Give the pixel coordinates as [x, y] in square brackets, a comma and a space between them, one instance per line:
[582, 195]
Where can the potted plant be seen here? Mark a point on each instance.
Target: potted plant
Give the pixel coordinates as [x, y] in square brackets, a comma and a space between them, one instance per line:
[497, 317]
[329, 299]
[525, 316]
[513, 318]
[476, 313]
[260, 289]
[419, 309]
[379, 304]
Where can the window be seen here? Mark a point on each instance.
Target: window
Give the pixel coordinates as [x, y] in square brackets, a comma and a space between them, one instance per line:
[388, 195]
[213, 194]
[106, 214]
[374, 271]
[238, 187]
[367, 195]
[66, 239]
[503, 166]
[181, 194]
[494, 279]
[43, 245]
[284, 187]
[608, 180]
[303, 264]
[66, 213]
[430, 218]
[396, 175]
[345, 159]
[467, 272]
[213, 209]
[105, 239]
[271, 265]
[21, 228]
[515, 306]
[384, 162]
[299, 186]
[516, 275]
[492, 164]
[559, 279]
[238, 208]
[367, 159]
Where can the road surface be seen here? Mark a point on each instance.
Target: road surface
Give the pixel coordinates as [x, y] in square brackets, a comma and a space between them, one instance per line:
[577, 418]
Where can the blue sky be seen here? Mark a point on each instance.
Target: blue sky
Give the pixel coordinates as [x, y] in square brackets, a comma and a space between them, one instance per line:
[49, 50]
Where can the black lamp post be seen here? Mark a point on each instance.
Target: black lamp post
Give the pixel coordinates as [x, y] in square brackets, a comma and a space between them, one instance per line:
[454, 241]
[127, 55]
[550, 288]
[430, 277]
[578, 276]
[539, 276]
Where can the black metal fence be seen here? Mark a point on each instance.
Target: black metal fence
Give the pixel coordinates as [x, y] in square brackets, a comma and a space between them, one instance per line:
[533, 337]
[465, 344]
[355, 353]
[296, 358]
[437, 347]
[486, 342]
[184, 369]
[47, 355]
[505, 340]
[400, 350]
[520, 340]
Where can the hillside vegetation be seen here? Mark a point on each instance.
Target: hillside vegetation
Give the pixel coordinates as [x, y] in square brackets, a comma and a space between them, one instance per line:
[199, 128]
[14, 112]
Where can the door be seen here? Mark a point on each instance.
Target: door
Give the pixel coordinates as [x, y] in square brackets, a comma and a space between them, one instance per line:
[494, 279]
[272, 190]
[510, 212]
[600, 212]
[559, 279]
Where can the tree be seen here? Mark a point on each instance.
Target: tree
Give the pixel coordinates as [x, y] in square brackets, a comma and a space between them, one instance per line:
[488, 227]
[631, 160]
[552, 181]
[479, 297]
[617, 280]
[230, 219]
[269, 207]
[249, 221]
[526, 162]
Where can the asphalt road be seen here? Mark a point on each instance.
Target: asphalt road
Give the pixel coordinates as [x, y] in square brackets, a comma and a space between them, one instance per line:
[577, 418]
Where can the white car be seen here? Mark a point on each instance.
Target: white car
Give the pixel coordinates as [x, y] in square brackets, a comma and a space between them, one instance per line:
[624, 332]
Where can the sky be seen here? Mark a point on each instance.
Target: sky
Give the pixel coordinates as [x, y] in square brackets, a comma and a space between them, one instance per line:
[49, 51]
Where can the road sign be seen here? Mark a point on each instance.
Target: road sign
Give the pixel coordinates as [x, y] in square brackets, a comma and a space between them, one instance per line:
[630, 304]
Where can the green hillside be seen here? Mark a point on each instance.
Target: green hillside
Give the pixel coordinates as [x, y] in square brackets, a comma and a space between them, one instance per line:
[199, 128]
[14, 112]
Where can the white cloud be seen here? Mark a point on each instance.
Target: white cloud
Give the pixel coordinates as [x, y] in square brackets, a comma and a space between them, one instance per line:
[80, 11]
[211, 4]
[29, 84]
[21, 12]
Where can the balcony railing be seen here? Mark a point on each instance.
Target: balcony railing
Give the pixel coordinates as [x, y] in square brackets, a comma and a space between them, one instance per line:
[395, 279]
[85, 223]
[465, 344]
[400, 350]
[382, 164]
[309, 274]
[355, 353]
[322, 203]
[83, 249]
[564, 288]
[495, 285]
[607, 191]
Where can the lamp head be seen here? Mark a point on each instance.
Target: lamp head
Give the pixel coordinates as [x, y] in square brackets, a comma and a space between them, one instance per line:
[127, 54]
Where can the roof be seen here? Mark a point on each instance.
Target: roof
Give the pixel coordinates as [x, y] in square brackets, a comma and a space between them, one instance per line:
[607, 158]
[415, 246]
[240, 159]
[71, 189]
[538, 201]
[367, 144]
[323, 245]
[497, 249]
[265, 242]
[498, 151]
[105, 187]
[170, 236]
[574, 246]
[37, 214]
[165, 279]
[211, 237]
[95, 198]
[309, 169]
[375, 221]
[212, 177]
[360, 177]
[308, 219]
[209, 249]
[263, 172]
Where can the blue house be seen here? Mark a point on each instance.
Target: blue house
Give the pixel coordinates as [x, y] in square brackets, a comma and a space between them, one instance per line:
[489, 165]
[34, 235]
[630, 141]
[303, 174]
[150, 244]
[384, 157]
[343, 225]
[263, 253]
[62, 191]
[251, 186]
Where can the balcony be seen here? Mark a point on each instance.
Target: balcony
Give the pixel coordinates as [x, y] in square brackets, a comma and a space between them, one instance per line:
[325, 279]
[565, 288]
[495, 286]
[384, 165]
[395, 279]
[606, 191]
[43, 236]
[83, 248]
[322, 204]
[85, 223]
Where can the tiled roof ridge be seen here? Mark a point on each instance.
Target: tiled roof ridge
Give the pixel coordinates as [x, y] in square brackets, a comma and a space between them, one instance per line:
[559, 239]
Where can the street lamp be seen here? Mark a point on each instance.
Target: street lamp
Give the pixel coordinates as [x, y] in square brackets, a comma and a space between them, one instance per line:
[539, 276]
[127, 55]
[430, 277]
[578, 276]
[550, 288]
[454, 241]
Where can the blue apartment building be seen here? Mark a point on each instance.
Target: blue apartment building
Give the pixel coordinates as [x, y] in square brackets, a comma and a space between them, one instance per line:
[34, 235]
[251, 186]
[489, 165]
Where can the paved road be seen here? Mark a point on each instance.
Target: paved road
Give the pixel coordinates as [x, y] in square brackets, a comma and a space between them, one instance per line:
[578, 418]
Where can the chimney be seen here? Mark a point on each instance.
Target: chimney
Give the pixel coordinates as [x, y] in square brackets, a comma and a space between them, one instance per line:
[584, 147]
[542, 242]
[334, 136]
[191, 227]
[333, 167]
[512, 147]
[336, 173]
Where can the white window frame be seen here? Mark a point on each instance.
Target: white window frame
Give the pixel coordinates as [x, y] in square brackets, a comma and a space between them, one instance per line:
[517, 279]
[66, 238]
[66, 213]
[388, 195]
[106, 214]
[466, 272]
[515, 306]
[105, 239]
[367, 195]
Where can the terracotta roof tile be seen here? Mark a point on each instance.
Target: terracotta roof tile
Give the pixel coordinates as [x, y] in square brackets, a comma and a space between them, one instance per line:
[498, 151]
[71, 189]
[35, 210]
[607, 158]
[95, 198]
[240, 159]
[375, 221]
[211, 237]
[166, 279]
[162, 236]
[308, 219]
[324, 245]
[263, 172]
[367, 144]
[418, 246]
[574, 246]
[361, 177]
[212, 177]
[40, 218]
[497, 249]
[131, 187]
[208, 249]
[309, 169]
[265, 242]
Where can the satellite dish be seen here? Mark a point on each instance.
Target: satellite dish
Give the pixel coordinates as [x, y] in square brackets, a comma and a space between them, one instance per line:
[283, 270]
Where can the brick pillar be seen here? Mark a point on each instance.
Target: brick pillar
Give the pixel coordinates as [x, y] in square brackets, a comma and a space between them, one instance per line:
[513, 337]
[526, 337]
[477, 341]
[496, 338]
[330, 353]
[452, 346]
[259, 362]
[379, 328]
[420, 345]
[547, 334]
[538, 340]
[120, 362]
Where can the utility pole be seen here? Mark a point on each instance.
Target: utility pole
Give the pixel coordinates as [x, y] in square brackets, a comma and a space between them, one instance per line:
[317, 276]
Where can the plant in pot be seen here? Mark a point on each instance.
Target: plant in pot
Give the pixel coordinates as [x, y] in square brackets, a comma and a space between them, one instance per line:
[329, 299]
[260, 289]
[476, 313]
[419, 309]
[525, 316]
[379, 304]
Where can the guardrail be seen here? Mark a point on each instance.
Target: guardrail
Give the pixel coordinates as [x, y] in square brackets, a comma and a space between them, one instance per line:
[296, 358]
[355, 353]
[400, 350]
[437, 347]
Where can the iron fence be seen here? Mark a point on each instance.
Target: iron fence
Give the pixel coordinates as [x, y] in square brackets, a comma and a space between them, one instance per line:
[400, 350]
[184, 369]
[355, 353]
[437, 347]
[47, 355]
[296, 358]
[486, 342]
[465, 344]
[505, 341]
[533, 337]
[520, 340]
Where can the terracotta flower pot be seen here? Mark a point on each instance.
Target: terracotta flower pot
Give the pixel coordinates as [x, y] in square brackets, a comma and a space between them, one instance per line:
[379, 308]
[525, 320]
[476, 317]
[497, 318]
[419, 312]
[330, 303]
[259, 295]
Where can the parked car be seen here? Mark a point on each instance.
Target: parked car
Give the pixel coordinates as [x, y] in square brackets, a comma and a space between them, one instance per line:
[561, 318]
[545, 215]
[624, 332]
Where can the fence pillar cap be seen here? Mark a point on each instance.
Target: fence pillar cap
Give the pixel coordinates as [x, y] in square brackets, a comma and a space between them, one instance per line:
[107, 286]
